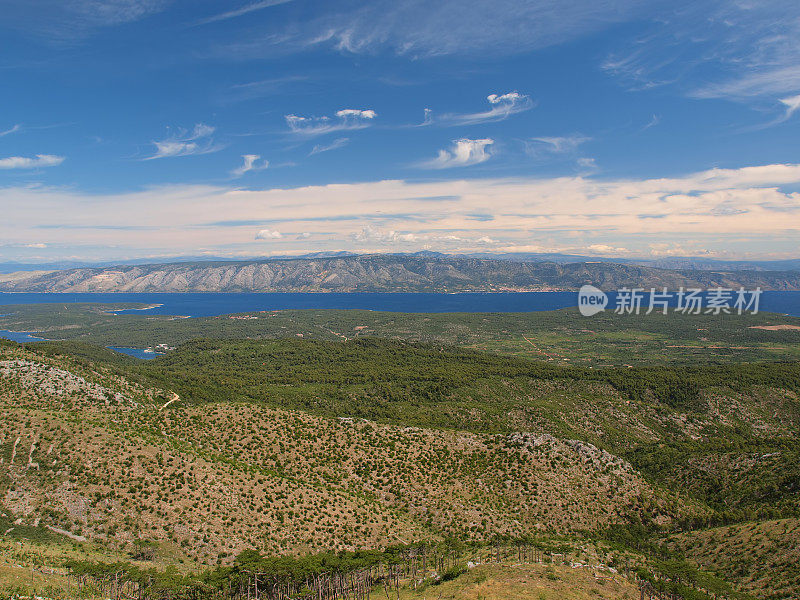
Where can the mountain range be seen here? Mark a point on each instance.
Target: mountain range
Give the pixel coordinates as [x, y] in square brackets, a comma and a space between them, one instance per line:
[671, 262]
[383, 273]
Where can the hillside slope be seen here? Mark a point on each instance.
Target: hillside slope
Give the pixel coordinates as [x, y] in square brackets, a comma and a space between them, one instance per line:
[90, 453]
[763, 558]
[295, 447]
[727, 434]
[381, 273]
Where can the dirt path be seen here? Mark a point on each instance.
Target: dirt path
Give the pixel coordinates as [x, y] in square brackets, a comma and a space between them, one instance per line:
[540, 351]
[174, 398]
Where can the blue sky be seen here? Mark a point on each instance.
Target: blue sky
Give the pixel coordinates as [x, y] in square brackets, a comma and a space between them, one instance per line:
[253, 128]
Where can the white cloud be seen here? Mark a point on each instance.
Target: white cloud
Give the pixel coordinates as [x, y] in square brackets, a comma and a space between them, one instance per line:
[356, 113]
[792, 104]
[463, 153]
[510, 97]
[183, 143]
[502, 107]
[347, 118]
[269, 234]
[373, 234]
[606, 250]
[36, 245]
[679, 249]
[250, 164]
[304, 236]
[25, 162]
[334, 145]
[14, 129]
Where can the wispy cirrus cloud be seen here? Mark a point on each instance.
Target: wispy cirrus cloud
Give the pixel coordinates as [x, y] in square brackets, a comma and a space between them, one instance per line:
[250, 163]
[462, 153]
[555, 145]
[587, 164]
[415, 28]
[345, 119]
[14, 129]
[185, 143]
[502, 107]
[27, 162]
[743, 51]
[334, 145]
[61, 22]
[757, 83]
[260, 88]
[427, 117]
[560, 147]
[653, 122]
[243, 10]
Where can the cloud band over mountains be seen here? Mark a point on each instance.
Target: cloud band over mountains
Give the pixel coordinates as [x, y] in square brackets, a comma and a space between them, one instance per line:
[714, 211]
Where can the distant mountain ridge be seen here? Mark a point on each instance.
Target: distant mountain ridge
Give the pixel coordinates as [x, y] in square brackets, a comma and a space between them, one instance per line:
[672, 262]
[383, 273]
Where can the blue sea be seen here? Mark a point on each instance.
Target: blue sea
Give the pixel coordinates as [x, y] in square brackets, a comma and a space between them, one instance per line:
[147, 354]
[213, 304]
[20, 336]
